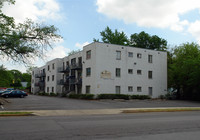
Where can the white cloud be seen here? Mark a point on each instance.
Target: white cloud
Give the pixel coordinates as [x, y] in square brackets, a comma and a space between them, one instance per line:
[149, 13]
[194, 29]
[33, 9]
[57, 52]
[80, 46]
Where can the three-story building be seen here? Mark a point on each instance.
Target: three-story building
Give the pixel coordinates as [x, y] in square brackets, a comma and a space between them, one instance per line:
[105, 68]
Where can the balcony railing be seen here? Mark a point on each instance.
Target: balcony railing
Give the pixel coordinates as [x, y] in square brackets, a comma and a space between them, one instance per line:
[70, 80]
[64, 70]
[39, 75]
[76, 66]
[40, 84]
[78, 81]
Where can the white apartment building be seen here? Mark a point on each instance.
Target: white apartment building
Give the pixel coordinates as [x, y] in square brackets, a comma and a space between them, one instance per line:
[105, 68]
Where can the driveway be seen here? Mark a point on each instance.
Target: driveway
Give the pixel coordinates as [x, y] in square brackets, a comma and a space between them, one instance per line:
[34, 102]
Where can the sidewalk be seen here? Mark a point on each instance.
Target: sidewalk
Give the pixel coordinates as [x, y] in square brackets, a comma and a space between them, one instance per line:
[105, 111]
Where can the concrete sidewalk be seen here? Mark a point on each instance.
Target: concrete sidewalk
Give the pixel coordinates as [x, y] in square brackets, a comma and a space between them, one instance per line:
[105, 111]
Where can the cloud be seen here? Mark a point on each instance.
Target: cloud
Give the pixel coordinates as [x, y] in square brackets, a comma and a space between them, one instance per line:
[57, 52]
[194, 29]
[149, 13]
[33, 9]
[80, 46]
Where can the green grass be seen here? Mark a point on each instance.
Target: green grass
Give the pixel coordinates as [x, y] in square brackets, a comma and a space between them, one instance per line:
[15, 113]
[160, 110]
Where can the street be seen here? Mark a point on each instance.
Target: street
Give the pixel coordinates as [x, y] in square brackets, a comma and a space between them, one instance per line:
[140, 126]
[151, 126]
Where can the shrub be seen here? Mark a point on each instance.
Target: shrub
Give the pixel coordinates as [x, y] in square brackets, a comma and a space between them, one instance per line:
[140, 97]
[46, 94]
[81, 96]
[63, 95]
[41, 93]
[53, 94]
[113, 96]
[87, 96]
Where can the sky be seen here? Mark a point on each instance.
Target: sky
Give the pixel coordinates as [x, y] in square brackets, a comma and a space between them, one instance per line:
[80, 21]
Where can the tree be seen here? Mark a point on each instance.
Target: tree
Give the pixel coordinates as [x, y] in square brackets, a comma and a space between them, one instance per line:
[144, 40]
[184, 71]
[5, 76]
[19, 42]
[116, 37]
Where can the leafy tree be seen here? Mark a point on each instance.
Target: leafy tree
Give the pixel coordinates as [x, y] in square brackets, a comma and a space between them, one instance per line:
[74, 52]
[184, 71]
[5, 76]
[26, 77]
[19, 42]
[108, 36]
[141, 40]
[144, 40]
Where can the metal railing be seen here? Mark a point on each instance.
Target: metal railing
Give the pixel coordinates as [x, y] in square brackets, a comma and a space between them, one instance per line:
[39, 75]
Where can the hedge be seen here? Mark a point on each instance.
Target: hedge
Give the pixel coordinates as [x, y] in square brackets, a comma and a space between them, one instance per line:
[81, 96]
[113, 96]
[140, 97]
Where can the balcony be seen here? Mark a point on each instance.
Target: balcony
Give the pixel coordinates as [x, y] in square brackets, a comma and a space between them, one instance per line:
[40, 84]
[70, 80]
[76, 66]
[39, 75]
[64, 70]
[78, 81]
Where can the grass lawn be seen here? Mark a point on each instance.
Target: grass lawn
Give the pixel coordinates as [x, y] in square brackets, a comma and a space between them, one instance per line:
[161, 110]
[15, 113]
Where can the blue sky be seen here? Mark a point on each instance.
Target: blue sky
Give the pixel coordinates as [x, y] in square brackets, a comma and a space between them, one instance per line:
[79, 21]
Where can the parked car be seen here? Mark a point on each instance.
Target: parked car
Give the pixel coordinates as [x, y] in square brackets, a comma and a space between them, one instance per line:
[10, 89]
[4, 91]
[14, 93]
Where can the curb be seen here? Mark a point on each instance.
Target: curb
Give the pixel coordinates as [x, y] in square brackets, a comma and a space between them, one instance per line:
[99, 111]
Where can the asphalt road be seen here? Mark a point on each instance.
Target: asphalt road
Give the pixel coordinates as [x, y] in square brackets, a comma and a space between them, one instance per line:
[139, 126]
[33, 102]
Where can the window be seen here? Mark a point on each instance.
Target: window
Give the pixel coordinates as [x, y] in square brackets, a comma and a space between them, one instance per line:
[139, 55]
[48, 79]
[150, 74]
[150, 91]
[117, 72]
[53, 66]
[48, 67]
[150, 58]
[88, 54]
[118, 53]
[88, 71]
[47, 89]
[87, 88]
[130, 89]
[130, 54]
[52, 89]
[52, 77]
[139, 89]
[117, 90]
[139, 72]
[130, 71]
[73, 61]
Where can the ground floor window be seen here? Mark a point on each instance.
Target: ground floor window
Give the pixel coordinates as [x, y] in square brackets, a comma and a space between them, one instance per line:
[130, 89]
[87, 89]
[117, 90]
[47, 89]
[139, 89]
[150, 91]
